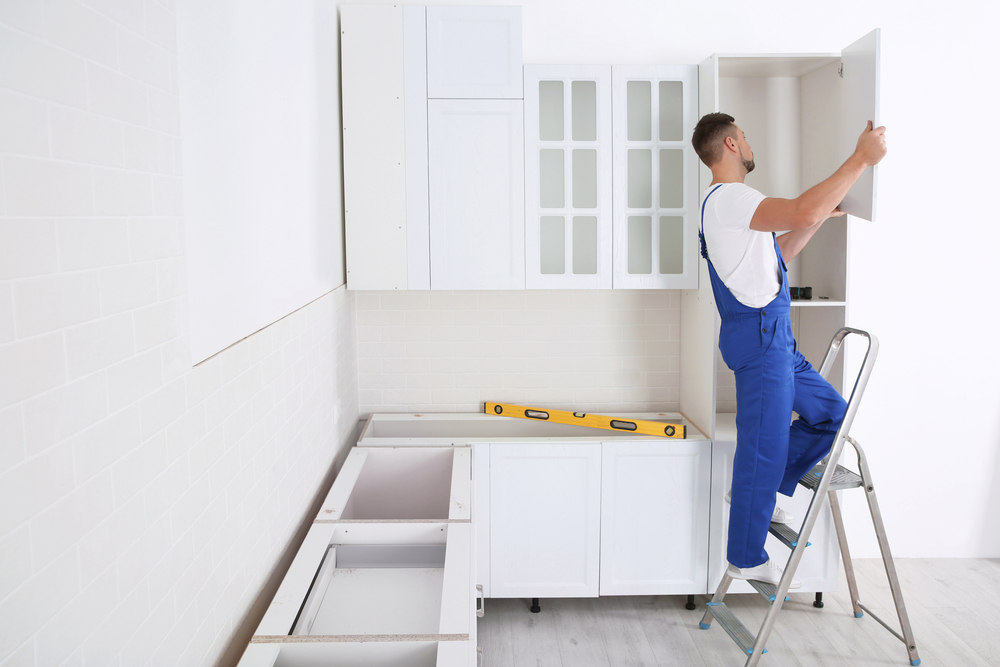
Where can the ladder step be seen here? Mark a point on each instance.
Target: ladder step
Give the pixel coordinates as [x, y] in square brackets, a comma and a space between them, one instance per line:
[733, 626]
[842, 478]
[768, 591]
[786, 534]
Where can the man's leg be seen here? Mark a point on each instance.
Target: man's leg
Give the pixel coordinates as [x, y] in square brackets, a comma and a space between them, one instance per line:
[764, 397]
[821, 410]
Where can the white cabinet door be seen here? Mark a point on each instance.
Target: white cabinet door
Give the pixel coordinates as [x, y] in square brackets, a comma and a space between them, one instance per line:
[655, 177]
[567, 148]
[474, 52]
[476, 174]
[859, 103]
[654, 517]
[545, 519]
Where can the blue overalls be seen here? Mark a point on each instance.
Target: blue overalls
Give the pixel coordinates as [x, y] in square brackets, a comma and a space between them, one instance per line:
[772, 380]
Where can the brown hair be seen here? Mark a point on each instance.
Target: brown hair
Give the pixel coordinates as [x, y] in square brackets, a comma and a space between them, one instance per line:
[707, 134]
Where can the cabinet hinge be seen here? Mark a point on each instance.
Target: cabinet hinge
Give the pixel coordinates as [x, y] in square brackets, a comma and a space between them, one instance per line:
[840, 70]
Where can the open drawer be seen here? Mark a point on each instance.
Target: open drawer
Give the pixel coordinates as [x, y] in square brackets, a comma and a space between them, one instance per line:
[385, 484]
[400, 587]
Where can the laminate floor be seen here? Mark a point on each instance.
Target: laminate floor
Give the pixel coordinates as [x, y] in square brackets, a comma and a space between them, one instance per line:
[953, 604]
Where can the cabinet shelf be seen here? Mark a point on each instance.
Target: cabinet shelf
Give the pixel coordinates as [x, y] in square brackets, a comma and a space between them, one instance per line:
[813, 303]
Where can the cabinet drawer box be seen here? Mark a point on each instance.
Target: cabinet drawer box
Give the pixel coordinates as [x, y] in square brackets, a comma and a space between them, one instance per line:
[401, 484]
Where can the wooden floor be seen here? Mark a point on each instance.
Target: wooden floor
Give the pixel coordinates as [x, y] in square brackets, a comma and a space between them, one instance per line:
[954, 608]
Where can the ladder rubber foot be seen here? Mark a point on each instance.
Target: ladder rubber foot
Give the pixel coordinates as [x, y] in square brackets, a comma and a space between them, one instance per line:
[859, 614]
[915, 662]
[706, 626]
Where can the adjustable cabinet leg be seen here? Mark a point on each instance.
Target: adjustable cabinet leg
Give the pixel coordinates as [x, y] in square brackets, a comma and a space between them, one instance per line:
[534, 606]
[690, 602]
[818, 602]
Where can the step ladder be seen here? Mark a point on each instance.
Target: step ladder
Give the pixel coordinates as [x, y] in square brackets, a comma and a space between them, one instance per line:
[825, 480]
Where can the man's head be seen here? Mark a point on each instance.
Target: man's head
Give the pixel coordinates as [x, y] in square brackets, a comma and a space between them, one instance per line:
[717, 138]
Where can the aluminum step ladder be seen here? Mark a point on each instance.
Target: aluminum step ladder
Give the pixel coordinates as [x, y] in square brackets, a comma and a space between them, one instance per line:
[825, 480]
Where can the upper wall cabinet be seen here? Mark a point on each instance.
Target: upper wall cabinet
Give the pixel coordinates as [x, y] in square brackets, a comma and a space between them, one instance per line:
[802, 114]
[474, 52]
[610, 177]
[433, 187]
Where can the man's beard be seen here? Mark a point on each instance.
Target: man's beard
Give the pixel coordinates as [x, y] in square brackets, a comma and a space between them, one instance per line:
[747, 164]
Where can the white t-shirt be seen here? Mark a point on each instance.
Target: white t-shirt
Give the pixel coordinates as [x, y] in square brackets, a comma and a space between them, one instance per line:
[744, 258]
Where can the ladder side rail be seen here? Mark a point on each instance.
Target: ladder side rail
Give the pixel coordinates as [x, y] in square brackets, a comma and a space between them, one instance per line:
[887, 559]
[845, 552]
[823, 488]
[793, 561]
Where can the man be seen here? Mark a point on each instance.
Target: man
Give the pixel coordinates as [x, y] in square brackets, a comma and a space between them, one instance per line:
[746, 263]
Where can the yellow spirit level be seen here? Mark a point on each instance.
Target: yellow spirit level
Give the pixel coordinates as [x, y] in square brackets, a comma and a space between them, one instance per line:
[637, 426]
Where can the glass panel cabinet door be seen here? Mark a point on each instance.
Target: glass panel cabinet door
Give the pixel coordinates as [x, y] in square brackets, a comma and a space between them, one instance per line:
[655, 177]
[567, 151]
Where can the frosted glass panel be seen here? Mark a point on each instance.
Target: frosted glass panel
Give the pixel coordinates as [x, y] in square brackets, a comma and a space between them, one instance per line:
[585, 244]
[640, 241]
[671, 244]
[671, 111]
[552, 182]
[550, 110]
[585, 178]
[639, 111]
[552, 244]
[640, 176]
[671, 178]
[584, 110]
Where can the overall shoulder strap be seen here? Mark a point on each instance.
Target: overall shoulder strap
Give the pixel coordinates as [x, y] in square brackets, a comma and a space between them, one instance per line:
[701, 231]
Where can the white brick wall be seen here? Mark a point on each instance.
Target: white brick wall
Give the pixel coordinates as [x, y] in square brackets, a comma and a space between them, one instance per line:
[452, 351]
[143, 503]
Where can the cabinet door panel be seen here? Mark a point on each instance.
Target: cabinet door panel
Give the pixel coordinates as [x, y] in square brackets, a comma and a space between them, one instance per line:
[374, 137]
[476, 176]
[545, 519]
[567, 148]
[655, 177]
[474, 52]
[859, 103]
[654, 518]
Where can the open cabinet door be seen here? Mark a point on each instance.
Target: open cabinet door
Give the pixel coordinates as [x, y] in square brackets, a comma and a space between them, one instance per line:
[859, 103]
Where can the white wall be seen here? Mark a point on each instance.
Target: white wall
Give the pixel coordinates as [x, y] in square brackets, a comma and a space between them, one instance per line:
[452, 351]
[144, 504]
[261, 160]
[920, 277]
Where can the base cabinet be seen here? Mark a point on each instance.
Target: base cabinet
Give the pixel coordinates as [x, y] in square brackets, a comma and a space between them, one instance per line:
[587, 519]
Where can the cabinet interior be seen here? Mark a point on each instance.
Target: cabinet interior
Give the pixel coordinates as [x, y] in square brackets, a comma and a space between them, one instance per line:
[786, 106]
[402, 484]
[378, 582]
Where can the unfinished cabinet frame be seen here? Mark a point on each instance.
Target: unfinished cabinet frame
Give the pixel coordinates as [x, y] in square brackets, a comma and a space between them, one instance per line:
[385, 572]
